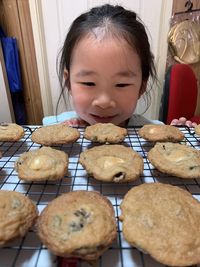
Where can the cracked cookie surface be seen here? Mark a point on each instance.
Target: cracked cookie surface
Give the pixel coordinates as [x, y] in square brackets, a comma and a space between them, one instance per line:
[17, 214]
[55, 135]
[112, 163]
[176, 159]
[10, 132]
[45, 163]
[78, 224]
[105, 133]
[163, 220]
[161, 133]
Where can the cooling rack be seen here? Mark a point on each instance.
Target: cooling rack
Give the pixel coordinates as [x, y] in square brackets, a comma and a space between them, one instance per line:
[29, 251]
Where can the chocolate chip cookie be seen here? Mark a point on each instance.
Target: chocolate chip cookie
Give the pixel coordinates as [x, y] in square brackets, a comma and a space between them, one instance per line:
[161, 133]
[197, 129]
[163, 220]
[55, 135]
[176, 159]
[45, 163]
[105, 133]
[78, 224]
[10, 132]
[17, 214]
[112, 163]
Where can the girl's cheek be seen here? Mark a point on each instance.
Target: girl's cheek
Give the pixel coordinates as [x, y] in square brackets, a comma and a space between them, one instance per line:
[80, 100]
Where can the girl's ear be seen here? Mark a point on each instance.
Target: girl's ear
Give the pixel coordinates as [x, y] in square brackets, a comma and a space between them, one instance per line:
[143, 88]
[66, 74]
[66, 78]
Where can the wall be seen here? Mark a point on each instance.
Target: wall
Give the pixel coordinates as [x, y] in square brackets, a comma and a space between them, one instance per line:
[55, 18]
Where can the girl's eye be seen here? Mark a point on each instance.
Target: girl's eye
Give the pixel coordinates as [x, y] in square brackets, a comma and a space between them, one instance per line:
[88, 83]
[122, 84]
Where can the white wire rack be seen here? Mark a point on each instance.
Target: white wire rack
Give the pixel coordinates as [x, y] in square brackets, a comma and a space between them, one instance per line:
[29, 251]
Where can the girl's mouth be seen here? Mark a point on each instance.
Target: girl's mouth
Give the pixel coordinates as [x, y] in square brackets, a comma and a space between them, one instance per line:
[105, 119]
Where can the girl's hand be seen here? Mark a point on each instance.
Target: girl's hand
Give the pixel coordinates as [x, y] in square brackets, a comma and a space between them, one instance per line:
[183, 121]
[75, 122]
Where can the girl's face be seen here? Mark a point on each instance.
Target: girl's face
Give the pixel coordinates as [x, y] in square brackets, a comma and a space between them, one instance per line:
[105, 80]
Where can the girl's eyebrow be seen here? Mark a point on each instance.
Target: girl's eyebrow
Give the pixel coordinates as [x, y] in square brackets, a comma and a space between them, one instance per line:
[126, 74]
[83, 73]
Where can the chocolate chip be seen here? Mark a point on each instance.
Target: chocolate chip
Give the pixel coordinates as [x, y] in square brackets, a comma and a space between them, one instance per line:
[82, 216]
[119, 176]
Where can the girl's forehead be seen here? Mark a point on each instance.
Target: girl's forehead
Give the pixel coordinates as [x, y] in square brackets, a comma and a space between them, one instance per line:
[107, 42]
[107, 53]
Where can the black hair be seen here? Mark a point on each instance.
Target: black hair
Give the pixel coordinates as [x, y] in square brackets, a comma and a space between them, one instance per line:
[119, 21]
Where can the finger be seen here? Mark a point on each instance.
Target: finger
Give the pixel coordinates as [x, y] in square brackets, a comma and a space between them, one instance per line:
[75, 122]
[194, 124]
[188, 123]
[182, 120]
[66, 122]
[70, 122]
[174, 122]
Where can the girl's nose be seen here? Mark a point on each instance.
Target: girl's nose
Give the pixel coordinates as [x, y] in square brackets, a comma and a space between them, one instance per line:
[104, 101]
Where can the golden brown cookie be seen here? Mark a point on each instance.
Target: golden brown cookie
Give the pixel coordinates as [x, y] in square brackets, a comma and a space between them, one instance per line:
[17, 215]
[112, 163]
[197, 129]
[78, 224]
[163, 220]
[55, 135]
[44, 163]
[161, 133]
[10, 132]
[105, 133]
[176, 159]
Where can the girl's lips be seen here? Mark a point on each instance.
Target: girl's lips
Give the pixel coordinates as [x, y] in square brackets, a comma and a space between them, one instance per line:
[103, 119]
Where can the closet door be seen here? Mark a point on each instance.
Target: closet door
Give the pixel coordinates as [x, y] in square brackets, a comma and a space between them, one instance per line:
[6, 108]
[15, 19]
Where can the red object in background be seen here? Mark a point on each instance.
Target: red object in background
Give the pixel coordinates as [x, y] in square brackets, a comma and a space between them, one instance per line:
[68, 262]
[180, 94]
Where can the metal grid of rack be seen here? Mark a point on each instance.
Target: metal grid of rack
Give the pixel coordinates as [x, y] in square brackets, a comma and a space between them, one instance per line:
[29, 251]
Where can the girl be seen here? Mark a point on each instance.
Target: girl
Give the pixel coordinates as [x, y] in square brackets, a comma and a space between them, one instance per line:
[106, 62]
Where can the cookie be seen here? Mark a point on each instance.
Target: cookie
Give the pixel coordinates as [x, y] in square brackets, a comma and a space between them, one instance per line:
[10, 132]
[112, 163]
[197, 129]
[78, 224]
[163, 220]
[105, 133]
[55, 135]
[161, 133]
[175, 159]
[44, 163]
[17, 215]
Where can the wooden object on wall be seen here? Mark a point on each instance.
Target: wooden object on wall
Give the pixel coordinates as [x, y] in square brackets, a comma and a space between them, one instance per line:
[179, 5]
[16, 22]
